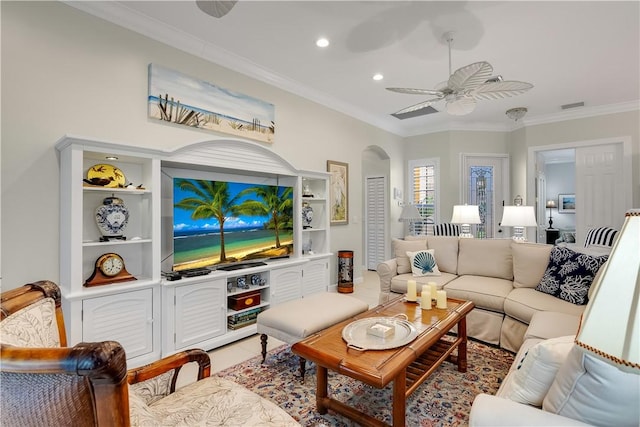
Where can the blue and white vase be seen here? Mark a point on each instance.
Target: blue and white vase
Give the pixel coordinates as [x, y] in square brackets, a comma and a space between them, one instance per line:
[112, 217]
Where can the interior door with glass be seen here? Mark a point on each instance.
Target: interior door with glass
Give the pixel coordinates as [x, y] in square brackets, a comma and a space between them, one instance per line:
[486, 184]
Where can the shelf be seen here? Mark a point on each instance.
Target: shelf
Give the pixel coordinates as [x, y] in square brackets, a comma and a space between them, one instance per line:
[262, 304]
[244, 291]
[115, 190]
[116, 242]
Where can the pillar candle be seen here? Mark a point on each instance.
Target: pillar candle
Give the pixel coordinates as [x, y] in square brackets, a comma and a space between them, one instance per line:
[433, 288]
[411, 291]
[441, 299]
[425, 298]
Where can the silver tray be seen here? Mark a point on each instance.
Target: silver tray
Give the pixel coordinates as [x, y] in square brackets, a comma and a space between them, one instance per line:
[356, 336]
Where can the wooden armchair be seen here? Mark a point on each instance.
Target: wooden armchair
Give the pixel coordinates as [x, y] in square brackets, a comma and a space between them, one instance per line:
[43, 382]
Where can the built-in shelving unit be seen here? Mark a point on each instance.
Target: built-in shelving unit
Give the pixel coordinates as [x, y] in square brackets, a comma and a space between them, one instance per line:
[152, 317]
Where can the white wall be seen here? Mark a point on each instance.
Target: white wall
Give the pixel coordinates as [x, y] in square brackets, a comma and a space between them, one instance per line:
[66, 72]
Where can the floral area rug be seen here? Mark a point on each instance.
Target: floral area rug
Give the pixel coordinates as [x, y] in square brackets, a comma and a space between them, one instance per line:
[444, 399]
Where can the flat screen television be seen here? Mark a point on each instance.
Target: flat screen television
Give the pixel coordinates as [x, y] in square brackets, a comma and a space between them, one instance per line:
[218, 222]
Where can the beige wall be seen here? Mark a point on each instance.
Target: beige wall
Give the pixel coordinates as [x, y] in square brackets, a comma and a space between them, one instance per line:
[66, 72]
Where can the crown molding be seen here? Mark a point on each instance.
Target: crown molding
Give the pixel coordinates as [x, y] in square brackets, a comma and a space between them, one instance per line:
[119, 14]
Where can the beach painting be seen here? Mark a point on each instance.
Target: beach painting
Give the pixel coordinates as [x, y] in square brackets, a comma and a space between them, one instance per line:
[183, 100]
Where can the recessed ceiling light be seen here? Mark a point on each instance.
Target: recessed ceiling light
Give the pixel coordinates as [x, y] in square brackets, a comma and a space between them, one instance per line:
[322, 42]
[378, 76]
[111, 157]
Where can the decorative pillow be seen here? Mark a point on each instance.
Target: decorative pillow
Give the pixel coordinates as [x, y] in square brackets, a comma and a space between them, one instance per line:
[537, 369]
[569, 274]
[594, 392]
[423, 263]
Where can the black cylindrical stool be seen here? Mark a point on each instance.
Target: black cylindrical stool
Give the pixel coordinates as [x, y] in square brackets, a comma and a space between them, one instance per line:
[345, 272]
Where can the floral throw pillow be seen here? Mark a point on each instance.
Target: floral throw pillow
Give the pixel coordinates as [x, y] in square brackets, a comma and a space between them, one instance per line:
[569, 274]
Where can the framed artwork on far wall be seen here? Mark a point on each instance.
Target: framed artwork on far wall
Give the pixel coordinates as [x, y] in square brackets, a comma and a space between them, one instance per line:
[338, 192]
[567, 203]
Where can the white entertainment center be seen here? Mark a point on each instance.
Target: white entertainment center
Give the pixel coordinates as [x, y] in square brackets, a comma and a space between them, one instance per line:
[151, 316]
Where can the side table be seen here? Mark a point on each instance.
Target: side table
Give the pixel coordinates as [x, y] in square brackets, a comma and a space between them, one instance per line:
[553, 234]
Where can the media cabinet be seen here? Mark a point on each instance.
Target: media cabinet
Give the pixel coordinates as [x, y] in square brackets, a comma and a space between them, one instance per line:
[153, 317]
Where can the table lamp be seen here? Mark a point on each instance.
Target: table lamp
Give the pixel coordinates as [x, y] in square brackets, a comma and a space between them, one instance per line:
[465, 215]
[518, 217]
[551, 204]
[410, 214]
[610, 324]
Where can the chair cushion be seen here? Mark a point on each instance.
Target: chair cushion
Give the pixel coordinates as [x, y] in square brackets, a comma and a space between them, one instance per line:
[32, 326]
[604, 236]
[211, 401]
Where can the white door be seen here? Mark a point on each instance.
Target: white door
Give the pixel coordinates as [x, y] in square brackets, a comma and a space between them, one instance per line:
[486, 184]
[600, 189]
[376, 212]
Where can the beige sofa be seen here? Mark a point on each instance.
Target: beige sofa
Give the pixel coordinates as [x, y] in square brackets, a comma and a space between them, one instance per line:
[554, 383]
[498, 275]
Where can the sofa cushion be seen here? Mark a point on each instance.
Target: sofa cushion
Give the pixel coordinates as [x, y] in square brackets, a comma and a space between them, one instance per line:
[423, 263]
[400, 249]
[217, 401]
[486, 257]
[446, 252]
[535, 371]
[550, 324]
[523, 303]
[569, 275]
[485, 292]
[399, 282]
[529, 263]
[595, 392]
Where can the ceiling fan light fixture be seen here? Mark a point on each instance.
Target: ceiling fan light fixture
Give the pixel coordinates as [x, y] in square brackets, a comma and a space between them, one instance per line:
[516, 113]
[322, 42]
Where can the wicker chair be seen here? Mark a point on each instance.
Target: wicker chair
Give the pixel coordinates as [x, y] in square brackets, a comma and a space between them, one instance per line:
[43, 382]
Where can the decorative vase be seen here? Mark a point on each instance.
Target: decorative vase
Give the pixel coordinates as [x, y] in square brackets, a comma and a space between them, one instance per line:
[307, 215]
[112, 218]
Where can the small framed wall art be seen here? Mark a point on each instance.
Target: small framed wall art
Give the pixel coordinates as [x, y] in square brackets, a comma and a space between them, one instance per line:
[567, 203]
[338, 192]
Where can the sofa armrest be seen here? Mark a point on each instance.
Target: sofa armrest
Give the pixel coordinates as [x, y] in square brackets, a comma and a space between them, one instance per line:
[387, 270]
[490, 410]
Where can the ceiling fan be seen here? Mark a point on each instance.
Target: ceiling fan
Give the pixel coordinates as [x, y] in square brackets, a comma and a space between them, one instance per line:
[464, 87]
[216, 8]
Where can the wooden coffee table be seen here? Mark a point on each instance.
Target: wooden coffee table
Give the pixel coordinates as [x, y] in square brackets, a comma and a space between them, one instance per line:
[407, 366]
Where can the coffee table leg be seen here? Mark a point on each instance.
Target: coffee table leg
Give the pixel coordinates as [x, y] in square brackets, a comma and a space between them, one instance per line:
[462, 347]
[400, 398]
[321, 389]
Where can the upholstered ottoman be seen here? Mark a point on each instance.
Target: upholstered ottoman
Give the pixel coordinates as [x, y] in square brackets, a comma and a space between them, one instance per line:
[295, 320]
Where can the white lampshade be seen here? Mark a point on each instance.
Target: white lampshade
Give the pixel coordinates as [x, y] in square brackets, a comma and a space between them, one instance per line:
[518, 217]
[610, 326]
[409, 213]
[465, 214]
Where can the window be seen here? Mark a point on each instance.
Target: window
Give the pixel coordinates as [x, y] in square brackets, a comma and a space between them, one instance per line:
[424, 190]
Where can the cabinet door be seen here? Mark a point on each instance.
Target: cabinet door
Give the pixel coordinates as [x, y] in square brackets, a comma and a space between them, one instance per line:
[286, 284]
[126, 318]
[199, 312]
[315, 277]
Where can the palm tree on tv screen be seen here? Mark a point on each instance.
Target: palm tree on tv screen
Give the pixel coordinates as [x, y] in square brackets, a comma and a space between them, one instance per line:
[276, 203]
[211, 200]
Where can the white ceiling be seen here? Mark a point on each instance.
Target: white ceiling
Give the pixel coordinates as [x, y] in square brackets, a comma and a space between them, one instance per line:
[570, 51]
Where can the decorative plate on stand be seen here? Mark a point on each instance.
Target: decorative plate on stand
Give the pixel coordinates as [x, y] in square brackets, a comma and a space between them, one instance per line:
[106, 172]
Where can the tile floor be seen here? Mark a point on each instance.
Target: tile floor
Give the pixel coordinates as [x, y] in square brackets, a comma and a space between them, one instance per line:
[239, 351]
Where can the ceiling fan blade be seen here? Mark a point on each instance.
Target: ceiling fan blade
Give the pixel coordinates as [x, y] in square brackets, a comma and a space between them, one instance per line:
[216, 8]
[499, 90]
[460, 105]
[410, 91]
[470, 76]
[419, 106]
